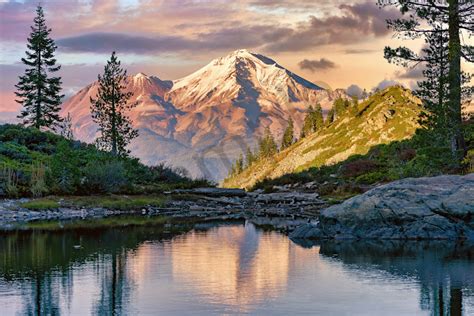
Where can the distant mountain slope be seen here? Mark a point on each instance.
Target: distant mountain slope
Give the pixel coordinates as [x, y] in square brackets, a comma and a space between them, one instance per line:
[387, 116]
[204, 121]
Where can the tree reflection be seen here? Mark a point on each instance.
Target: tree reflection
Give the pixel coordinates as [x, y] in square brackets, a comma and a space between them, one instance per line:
[45, 261]
[444, 269]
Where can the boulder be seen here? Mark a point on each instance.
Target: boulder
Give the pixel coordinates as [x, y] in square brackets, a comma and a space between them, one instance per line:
[423, 208]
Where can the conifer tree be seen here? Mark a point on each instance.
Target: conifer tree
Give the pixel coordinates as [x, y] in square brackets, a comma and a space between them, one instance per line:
[38, 91]
[249, 157]
[340, 106]
[330, 117]
[66, 127]
[313, 121]
[355, 105]
[109, 109]
[239, 164]
[288, 135]
[267, 145]
[435, 20]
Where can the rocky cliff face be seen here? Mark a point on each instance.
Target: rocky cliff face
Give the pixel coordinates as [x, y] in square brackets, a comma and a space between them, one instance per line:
[204, 121]
[389, 115]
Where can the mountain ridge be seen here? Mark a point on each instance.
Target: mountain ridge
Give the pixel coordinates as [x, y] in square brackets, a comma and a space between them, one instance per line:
[389, 115]
[203, 121]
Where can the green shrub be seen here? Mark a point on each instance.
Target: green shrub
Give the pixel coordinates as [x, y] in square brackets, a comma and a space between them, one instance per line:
[359, 167]
[106, 177]
[9, 182]
[38, 186]
[372, 177]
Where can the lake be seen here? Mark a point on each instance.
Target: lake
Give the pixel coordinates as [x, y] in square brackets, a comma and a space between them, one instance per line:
[229, 269]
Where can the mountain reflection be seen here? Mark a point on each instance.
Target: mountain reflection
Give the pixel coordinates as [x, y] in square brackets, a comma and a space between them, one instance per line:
[228, 269]
[235, 265]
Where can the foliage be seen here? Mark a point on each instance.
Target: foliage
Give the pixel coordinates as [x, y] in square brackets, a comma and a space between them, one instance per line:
[109, 109]
[267, 145]
[104, 177]
[38, 186]
[288, 135]
[65, 128]
[116, 202]
[415, 157]
[440, 25]
[34, 163]
[340, 106]
[38, 93]
[390, 114]
[313, 121]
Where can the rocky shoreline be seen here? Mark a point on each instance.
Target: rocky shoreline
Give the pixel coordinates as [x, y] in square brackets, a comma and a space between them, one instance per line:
[281, 210]
[433, 208]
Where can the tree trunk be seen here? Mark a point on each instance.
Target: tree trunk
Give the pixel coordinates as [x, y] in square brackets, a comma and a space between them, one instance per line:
[457, 138]
[38, 93]
[114, 124]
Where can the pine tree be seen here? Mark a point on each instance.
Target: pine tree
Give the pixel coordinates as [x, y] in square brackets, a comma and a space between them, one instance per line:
[355, 105]
[38, 91]
[330, 117]
[109, 109]
[318, 120]
[313, 121]
[433, 20]
[267, 145]
[66, 127]
[239, 164]
[249, 157]
[288, 135]
[340, 106]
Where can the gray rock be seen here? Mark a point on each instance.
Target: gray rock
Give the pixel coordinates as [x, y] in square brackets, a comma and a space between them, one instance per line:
[423, 208]
[306, 231]
[213, 192]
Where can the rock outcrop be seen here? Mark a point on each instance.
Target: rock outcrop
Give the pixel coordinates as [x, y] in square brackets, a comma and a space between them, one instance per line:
[424, 208]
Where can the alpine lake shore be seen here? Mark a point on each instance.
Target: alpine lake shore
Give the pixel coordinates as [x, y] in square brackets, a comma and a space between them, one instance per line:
[429, 208]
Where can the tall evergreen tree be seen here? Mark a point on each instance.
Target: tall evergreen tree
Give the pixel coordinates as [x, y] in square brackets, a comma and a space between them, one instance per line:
[288, 135]
[313, 121]
[437, 20]
[267, 146]
[331, 116]
[38, 91]
[65, 128]
[434, 89]
[340, 106]
[249, 157]
[109, 109]
[355, 105]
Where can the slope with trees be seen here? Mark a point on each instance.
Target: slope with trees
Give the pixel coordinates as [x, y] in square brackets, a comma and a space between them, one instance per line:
[387, 116]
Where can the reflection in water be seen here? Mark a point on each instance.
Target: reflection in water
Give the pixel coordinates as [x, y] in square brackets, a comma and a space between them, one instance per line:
[228, 270]
[444, 269]
[235, 265]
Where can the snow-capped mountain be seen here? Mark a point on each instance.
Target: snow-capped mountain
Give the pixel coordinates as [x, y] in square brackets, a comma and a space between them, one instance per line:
[204, 121]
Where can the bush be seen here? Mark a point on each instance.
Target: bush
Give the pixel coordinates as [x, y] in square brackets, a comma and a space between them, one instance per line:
[9, 182]
[372, 177]
[108, 177]
[359, 167]
[38, 186]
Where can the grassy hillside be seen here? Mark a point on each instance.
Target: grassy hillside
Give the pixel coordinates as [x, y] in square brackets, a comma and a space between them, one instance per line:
[387, 116]
[34, 163]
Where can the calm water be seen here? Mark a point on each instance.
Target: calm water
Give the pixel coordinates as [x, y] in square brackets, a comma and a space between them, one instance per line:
[228, 269]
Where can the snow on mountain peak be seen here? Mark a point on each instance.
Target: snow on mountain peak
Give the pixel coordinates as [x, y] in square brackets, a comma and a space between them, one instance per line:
[140, 75]
[234, 97]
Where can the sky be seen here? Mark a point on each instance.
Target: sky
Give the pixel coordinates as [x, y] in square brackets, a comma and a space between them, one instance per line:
[335, 43]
